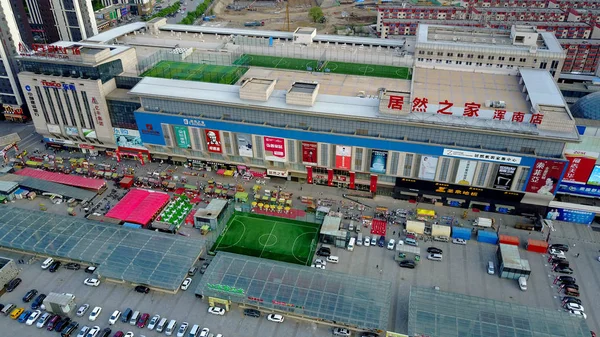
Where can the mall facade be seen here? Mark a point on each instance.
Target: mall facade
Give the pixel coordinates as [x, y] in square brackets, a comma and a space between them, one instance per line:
[443, 136]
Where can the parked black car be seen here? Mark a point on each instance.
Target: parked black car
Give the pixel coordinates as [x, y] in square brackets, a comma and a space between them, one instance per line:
[29, 296]
[105, 333]
[407, 264]
[324, 251]
[434, 250]
[571, 299]
[252, 312]
[69, 329]
[570, 285]
[558, 261]
[563, 270]
[560, 246]
[54, 266]
[60, 325]
[142, 289]
[565, 278]
[193, 271]
[12, 284]
[38, 301]
[73, 266]
[204, 267]
[90, 269]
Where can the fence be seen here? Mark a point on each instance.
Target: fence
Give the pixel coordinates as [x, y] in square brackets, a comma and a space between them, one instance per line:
[197, 57]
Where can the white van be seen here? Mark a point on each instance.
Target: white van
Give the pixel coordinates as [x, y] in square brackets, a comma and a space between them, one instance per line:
[161, 325]
[47, 263]
[523, 283]
[171, 327]
[134, 318]
[351, 244]
[195, 330]
[359, 240]
[333, 259]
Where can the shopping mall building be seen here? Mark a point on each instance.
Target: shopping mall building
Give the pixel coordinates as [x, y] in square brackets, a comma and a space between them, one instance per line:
[478, 139]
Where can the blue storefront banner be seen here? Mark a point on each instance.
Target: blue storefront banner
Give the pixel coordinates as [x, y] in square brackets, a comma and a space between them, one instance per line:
[151, 132]
[571, 215]
[585, 190]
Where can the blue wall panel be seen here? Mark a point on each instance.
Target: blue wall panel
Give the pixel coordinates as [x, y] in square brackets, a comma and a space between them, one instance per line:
[487, 237]
[461, 233]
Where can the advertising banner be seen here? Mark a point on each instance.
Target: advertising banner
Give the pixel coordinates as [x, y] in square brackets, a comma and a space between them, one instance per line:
[128, 138]
[71, 131]
[456, 191]
[465, 173]
[378, 161]
[274, 149]
[581, 164]
[213, 141]
[544, 176]
[571, 215]
[504, 177]
[309, 152]
[52, 128]
[343, 157]
[594, 178]
[428, 167]
[574, 188]
[244, 142]
[482, 156]
[89, 133]
[182, 137]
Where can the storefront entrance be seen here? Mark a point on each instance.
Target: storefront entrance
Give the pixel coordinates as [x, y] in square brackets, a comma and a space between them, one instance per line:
[131, 153]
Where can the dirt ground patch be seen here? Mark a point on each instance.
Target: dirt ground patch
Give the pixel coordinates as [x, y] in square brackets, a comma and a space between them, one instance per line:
[273, 14]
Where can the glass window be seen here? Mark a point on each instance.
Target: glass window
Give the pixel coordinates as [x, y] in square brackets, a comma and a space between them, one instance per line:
[291, 149]
[78, 108]
[51, 105]
[522, 179]
[42, 104]
[444, 169]
[88, 110]
[61, 108]
[481, 177]
[258, 145]
[408, 159]
[325, 153]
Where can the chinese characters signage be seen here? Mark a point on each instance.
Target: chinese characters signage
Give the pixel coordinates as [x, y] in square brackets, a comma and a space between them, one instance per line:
[47, 50]
[97, 111]
[225, 289]
[57, 85]
[274, 149]
[213, 141]
[343, 157]
[465, 172]
[9, 109]
[471, 110]
[182, 136]
[309, 152]
[581, 164]
[193, 122]
[544, 176]
[482, 156]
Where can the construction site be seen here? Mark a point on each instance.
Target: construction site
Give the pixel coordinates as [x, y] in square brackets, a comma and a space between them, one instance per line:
[340, 17]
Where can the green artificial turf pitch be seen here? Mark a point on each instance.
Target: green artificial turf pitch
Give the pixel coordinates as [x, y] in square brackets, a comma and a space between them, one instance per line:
[269, 237]
[334, 67]
[196, 72]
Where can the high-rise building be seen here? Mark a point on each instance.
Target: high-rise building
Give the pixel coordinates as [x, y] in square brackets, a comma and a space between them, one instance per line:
[54, 20]
[11, 36]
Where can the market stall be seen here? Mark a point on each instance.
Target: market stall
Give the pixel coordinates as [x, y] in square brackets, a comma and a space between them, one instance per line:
[241, 197]
[425, 214]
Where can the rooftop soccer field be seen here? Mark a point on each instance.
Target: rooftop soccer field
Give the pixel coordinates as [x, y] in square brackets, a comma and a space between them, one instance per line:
[359, 69]
[269, 237]
[196, 72]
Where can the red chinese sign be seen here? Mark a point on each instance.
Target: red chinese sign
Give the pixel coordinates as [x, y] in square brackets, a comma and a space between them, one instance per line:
[581, 165]
[309, 152]
[213, 141]
[544, 177]
[470, 110]
[396, 102]
[97, 111]
[48, 50]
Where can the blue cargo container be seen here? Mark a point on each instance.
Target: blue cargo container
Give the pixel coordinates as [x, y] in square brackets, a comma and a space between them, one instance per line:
[131, 225]
[461, 233]
[487, 237]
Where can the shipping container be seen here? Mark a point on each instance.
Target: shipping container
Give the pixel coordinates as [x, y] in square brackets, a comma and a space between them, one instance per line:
[487, 237]
[440, 230]
[537, 246]
[417, 227]
[509, 240]
[461, 233]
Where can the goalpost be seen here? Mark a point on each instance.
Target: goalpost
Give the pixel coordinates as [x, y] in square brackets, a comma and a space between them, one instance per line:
[322, 61]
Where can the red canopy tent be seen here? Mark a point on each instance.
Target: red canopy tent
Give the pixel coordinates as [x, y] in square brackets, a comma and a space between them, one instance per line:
[139, 206]
[96, 185]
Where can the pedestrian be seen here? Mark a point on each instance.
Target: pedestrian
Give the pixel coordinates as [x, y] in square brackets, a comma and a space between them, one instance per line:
[394, 233]
[577, 255]
[300, 188]
[377, 266]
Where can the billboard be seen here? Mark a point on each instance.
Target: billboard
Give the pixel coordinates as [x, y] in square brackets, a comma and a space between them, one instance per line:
[71, 131]
[544, 176]
[128, 138]
[378, 161]
[213, 141]
[465, 173]
[581, 164]
[570, 215]
[52, 128]
[573, 188]
[594, 178]
[182, 136]
[89, 133]
[274, 149]
[504, 177]
[309, 152]
[428, 167]
[244, 142]
[343, 157]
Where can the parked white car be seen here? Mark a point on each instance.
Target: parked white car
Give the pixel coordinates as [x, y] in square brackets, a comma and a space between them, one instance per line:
[114, 317]
[92, 282]
[34, 315]
[95, 313]
[186, 283]
[391, 244]
[275, 318]
[459, 241]
[216, 311]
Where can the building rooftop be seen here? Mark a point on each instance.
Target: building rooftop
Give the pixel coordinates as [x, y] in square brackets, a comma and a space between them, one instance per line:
[444, 314]
[473, 23]
[8, 186]
[517, 10]
[133, 255]
[338, 298]
[541, 87]
[113, 33]
[48, 186]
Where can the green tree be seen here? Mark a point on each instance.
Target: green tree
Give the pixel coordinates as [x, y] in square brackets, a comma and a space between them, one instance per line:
[316, 14]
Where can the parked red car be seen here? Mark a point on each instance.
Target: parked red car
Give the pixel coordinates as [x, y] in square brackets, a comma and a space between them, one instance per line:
[143, 320]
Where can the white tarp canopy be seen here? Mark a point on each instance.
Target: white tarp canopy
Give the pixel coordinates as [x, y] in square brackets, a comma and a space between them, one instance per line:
[440, 230]
[415, 226]
[483, 222]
